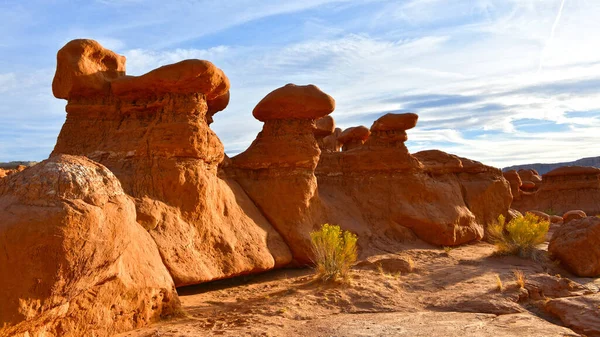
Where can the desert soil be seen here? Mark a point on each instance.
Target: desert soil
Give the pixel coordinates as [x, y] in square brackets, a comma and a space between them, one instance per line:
[412, 289]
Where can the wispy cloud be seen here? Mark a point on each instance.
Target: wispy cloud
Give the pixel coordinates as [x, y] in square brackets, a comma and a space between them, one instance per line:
[468, 68]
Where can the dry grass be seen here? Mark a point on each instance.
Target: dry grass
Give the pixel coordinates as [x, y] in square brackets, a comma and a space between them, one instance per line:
[499, 284]
[411, 264]
[519, 278]
[519, 236]
[334, 252]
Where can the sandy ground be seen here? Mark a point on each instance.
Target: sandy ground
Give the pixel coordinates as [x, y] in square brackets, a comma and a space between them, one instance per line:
[409, 290]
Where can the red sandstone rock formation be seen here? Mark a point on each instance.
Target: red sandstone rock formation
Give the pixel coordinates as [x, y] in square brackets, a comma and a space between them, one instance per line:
[277, 170]
[152, 132]
[331, 143]
[325, 127]
[531, 180]
[573, 215]
[577, 245]
[353, 137]
[379, 189]
[515, 183]
[74, 261]
[565, 189]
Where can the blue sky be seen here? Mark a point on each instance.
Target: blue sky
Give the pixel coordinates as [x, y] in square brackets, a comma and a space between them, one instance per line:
[500, 81]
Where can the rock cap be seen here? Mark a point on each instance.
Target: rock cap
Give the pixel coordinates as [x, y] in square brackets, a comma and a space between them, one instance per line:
[84, 67]
[354, 133]
[393, 122]
[325, 126]
[294, 102]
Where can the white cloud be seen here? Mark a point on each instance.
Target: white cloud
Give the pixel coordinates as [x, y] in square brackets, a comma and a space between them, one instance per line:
[469, 68]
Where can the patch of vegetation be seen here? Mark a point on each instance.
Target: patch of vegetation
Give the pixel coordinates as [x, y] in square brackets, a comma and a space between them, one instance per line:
[411, 264]
[519, 278]
[334, 251]
[447, 250]
[551, 211]
[499, 284]
[519, 236]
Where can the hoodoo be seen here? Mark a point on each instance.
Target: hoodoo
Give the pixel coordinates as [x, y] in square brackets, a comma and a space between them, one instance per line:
[152, 132]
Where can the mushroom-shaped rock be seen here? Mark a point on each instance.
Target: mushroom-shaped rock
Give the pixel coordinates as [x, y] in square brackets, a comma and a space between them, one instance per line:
[577, 245]
[325, 126]
[573, 215]
[294, 102]
[277, 170]
[152, 132]
[390, 130]
[393, 122]
[185, 77]
[84, 67]
[353, 137]
[75, 262]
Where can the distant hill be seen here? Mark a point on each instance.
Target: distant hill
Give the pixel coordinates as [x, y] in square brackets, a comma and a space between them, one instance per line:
[13, 164]
[545, 168]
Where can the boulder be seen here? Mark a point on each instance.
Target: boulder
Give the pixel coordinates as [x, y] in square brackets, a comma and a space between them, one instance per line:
[579, 313]
[353, 137]
[324, 126]
[74, 261]
[573, 215]
[304, 102]
[277, 170]
[528, 185]
[152, 132]
[556, 219]
[577, 245]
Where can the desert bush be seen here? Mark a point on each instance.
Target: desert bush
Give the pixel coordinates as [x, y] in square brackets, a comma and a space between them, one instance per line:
[519, 236]
[519, 278]
[499, 284]
[334, 251]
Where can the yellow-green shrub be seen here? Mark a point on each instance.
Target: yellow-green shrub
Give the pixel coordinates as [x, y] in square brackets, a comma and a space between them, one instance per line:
[334, 251]
[520, 235]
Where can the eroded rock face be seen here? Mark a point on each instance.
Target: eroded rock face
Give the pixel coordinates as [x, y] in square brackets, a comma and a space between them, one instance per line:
[380, 190]
[152, 132]
[515, 183]
[74, 261]
[577, 245]
[564, 189]
[277, 170]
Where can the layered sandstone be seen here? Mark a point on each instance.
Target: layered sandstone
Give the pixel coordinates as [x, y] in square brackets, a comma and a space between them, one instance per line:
[74, 261]
[152, 132]
[277, 170]
[380, 190]
[564, 189]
